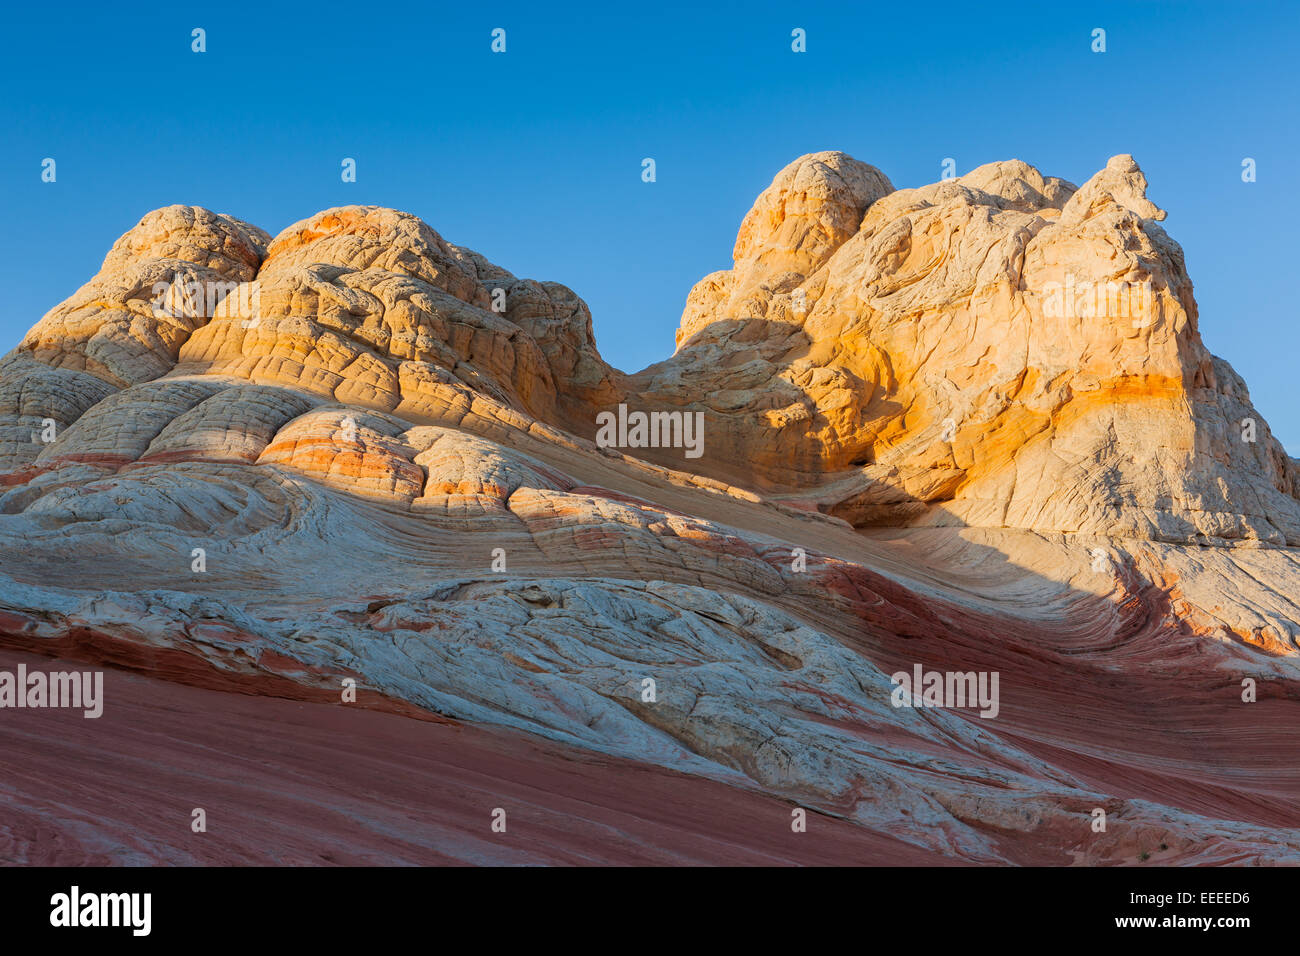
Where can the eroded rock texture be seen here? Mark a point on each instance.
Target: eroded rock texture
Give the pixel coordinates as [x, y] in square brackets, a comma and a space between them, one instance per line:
[969, 426]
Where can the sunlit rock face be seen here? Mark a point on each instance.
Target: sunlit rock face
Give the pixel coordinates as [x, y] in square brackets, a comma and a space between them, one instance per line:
[1001, 350]
[968, 428]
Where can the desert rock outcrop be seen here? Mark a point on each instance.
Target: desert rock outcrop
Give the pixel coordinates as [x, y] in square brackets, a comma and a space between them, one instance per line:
[969, 426]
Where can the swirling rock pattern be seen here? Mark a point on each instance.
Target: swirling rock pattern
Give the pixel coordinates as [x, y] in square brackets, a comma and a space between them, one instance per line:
[969, 427]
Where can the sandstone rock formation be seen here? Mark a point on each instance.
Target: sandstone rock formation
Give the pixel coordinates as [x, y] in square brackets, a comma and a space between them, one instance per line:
[969, 426]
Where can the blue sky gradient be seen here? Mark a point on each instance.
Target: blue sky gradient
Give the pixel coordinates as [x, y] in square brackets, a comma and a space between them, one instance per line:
[533, 158]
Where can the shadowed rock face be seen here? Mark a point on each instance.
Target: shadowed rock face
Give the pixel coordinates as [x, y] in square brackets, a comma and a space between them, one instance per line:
[969, 426]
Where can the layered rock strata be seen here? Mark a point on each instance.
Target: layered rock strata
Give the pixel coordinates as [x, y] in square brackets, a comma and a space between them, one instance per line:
[969, 427]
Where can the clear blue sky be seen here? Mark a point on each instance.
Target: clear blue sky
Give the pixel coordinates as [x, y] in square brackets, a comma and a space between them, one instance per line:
[534, 157]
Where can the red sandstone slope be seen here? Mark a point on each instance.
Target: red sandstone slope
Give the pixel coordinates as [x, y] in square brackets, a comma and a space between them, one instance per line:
[335, 786]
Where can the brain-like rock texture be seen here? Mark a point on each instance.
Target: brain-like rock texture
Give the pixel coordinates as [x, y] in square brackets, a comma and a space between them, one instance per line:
[968, 427]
